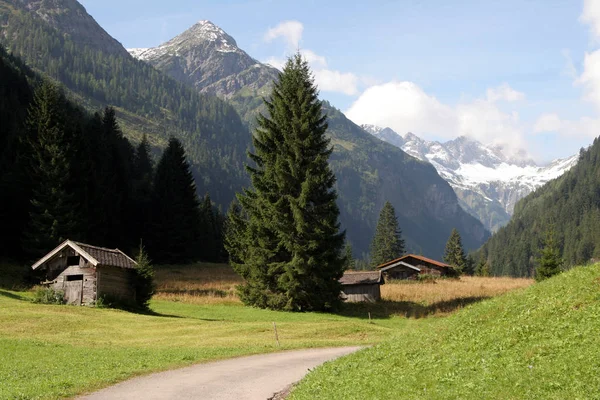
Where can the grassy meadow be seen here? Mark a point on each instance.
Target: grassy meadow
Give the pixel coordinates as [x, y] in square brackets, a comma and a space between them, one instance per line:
[538, 343]
[62, 351]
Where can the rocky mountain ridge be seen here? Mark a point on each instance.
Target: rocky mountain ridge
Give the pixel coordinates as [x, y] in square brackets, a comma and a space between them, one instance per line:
[487, 181]
[207, 58]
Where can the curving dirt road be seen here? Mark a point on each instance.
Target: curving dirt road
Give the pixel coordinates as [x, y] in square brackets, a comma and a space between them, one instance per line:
[254, 377]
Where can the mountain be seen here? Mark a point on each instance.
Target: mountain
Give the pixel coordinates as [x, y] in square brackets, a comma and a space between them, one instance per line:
[369, 172]
[208, 59]
[487, 182]
[569, 206]
[160, 105]
[58, 38]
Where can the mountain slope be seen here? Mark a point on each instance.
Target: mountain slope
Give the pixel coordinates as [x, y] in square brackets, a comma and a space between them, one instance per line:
[569, 205]
[538, 343]
[60, 39]
[369, 172]
[207, 58]
[486, 181]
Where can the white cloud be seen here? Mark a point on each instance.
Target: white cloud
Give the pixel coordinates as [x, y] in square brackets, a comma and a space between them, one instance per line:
[584, 127]
[404, 106]
[315, 60]
[328, 80]
[591, 16]
[291, 31]
[590, 78]
[549, 122]
[335, 81]
[504, 93]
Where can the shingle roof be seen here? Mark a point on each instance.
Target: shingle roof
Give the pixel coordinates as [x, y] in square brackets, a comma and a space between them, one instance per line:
[108, 257]
[361, 278]
[404, 258]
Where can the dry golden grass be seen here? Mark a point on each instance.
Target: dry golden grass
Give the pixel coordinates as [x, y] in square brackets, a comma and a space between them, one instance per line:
[206, 284]
[200, 283]
[446, 295]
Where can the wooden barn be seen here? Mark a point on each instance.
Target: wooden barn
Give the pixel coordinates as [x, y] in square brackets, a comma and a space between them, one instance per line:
[361, 286]
[86, 273]
[411, 265]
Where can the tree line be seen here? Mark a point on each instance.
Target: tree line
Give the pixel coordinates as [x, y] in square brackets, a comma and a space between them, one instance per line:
[567, 209]
[67, 174]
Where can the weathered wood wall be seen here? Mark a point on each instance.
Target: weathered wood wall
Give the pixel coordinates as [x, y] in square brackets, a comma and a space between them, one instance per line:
[87, 293]
[115, 282]
[361, 293]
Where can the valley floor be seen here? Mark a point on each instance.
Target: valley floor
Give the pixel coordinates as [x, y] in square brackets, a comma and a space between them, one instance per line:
[62, 351]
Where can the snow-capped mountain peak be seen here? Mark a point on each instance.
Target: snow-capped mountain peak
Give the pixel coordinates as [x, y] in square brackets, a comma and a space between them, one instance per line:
[486, 180]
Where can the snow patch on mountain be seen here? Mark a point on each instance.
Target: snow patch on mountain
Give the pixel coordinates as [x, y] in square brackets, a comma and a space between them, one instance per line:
[478, 173]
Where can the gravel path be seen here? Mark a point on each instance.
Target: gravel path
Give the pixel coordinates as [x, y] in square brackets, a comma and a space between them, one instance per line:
[255, 377]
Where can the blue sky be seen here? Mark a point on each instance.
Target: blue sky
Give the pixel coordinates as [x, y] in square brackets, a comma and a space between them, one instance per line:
[518, 73]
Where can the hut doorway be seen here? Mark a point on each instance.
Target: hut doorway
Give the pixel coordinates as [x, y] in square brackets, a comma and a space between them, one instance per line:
[74, 289]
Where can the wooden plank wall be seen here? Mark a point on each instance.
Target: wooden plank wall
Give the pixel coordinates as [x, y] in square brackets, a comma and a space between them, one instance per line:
[115, 282]
[89, 282]
[361, 293]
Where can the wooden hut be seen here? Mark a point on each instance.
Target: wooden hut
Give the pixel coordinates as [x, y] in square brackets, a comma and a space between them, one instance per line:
[411, 265]
[86, 273]
[361, 286]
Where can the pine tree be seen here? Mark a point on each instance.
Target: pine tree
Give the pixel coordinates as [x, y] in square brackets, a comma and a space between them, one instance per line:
[176, 215]
[348, 257]
[469, 265]
[54, 211]
[549, 263]
[387, 243]
[482, 268]
[455, 254]
[209, 239]
[143, 175]
[290, 251]
[143, 279]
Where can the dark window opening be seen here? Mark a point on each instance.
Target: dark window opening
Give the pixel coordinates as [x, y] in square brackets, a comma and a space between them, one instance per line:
[74, 278]
[73, 260]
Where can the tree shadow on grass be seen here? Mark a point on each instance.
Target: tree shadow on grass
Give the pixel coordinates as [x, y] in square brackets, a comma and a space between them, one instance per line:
[386, 309]
[13, 296]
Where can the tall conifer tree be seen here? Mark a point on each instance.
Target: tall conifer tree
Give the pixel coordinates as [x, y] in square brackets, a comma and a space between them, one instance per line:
[454, 253]
[54, 211]
[290, 252]
[387, 243]
[176, 220]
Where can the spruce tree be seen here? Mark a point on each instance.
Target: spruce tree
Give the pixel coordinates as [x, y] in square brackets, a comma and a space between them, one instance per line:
[54, 210]
[348, 257]
[176, 215]
[454, 253]
[387, 243]
[143, 281]
[549, 262]
[289, 253]
[143, 175]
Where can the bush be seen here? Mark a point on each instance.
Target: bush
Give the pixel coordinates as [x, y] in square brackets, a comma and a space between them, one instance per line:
[47, 295]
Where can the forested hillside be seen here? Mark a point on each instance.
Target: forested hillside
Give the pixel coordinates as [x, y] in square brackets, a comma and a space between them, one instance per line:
[67, 174]
[569, 205]
[46, 35]
[147, 101]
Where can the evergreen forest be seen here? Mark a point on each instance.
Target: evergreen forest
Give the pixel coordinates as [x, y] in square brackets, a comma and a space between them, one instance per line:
[69, 174]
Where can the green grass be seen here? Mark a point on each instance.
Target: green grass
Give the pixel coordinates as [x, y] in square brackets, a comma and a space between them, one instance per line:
[50, 352]
[538, 343]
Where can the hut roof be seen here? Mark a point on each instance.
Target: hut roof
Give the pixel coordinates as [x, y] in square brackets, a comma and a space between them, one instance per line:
[421, 258]
[97, 256]
[397, 264]
[362, 278]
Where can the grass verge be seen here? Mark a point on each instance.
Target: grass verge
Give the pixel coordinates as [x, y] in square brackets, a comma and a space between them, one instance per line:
[51, 352]
[540, 343]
